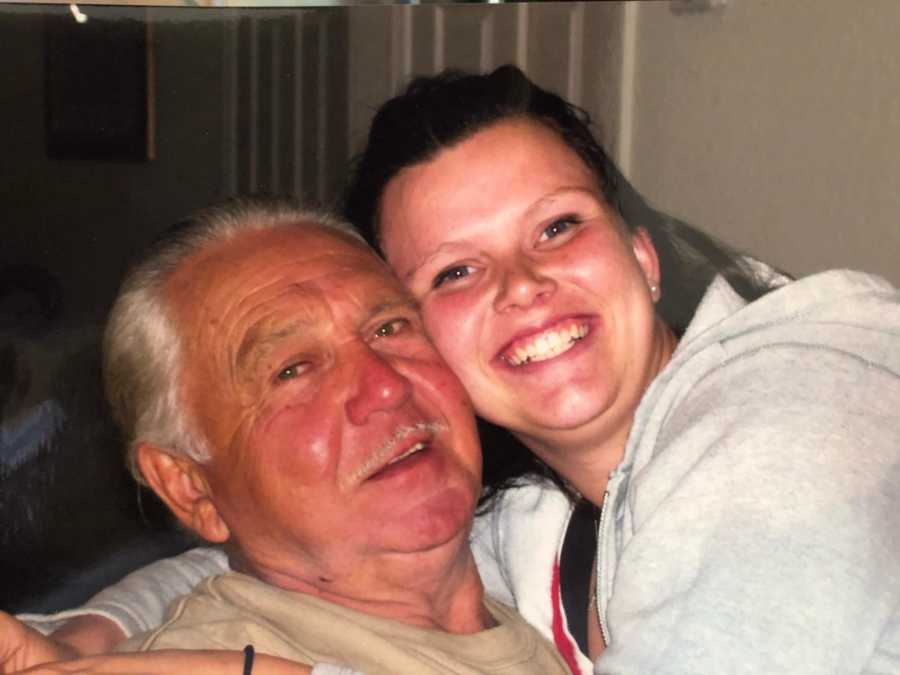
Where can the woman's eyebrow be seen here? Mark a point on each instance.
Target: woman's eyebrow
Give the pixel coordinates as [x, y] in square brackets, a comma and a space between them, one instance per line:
[445, 248]
[547, 200]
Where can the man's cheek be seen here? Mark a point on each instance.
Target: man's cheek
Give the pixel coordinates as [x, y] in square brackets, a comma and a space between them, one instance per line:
[295, 444]
[449, 386]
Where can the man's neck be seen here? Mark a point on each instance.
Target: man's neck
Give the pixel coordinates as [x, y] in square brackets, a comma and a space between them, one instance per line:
[438, 589]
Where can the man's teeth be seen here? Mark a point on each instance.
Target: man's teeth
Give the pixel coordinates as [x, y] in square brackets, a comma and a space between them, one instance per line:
[414, 449]
[547, 345]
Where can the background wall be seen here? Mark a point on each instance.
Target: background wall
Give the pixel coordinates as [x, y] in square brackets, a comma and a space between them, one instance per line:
[83, 219]
[573, 48]
[234, 91]
[775, 125]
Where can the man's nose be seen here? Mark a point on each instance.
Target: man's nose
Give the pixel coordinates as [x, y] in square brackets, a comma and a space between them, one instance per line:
[377, 387]
[520, 284]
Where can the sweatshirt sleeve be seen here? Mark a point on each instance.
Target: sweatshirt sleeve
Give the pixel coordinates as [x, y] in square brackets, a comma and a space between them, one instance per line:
[764, 535]
[138, 602]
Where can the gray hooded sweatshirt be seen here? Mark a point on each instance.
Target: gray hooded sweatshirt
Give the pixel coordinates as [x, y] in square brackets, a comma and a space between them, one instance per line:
[754, 524]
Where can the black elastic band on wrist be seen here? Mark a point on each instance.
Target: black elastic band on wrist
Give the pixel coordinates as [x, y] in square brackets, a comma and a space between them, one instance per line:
[248, 659]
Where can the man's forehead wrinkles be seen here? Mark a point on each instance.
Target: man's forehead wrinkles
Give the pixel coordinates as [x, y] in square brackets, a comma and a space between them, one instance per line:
[328, 262]
[391, 302]
[252, 299]
[248, 313]
[259, 341]
[258, 322]
[293, 311]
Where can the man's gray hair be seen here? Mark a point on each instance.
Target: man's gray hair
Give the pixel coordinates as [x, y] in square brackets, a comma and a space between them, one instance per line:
[141, 346]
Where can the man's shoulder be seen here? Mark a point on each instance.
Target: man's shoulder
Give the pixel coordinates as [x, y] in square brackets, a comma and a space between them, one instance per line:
[229, 611]
[189, 615]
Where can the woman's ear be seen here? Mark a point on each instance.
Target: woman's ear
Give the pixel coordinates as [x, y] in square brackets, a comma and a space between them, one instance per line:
[645, 252]
[181, 483]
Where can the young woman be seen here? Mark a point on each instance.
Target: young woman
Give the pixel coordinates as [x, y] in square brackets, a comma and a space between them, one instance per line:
[737, 442]
[701, 466]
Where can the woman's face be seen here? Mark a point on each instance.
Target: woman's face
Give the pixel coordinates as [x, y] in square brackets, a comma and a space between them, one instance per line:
[529, 284]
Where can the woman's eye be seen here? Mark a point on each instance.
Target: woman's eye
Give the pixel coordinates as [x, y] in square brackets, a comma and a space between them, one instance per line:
[292, 371]
[391, 328]
[557, 227]
[451, 274]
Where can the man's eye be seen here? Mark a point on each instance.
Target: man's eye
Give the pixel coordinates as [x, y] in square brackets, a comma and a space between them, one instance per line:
[451, 274]
[292, 371]
[390, 328]
[558, 227]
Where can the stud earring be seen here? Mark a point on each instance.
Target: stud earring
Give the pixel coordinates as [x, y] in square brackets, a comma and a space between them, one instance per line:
[653, 289]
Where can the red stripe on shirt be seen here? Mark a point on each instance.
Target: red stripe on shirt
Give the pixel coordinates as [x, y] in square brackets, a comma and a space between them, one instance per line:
[560, 635]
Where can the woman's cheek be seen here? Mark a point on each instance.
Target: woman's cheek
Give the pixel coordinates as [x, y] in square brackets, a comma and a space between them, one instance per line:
[451, 324]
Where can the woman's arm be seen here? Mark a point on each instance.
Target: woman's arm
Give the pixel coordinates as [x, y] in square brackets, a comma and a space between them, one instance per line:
[135, 604]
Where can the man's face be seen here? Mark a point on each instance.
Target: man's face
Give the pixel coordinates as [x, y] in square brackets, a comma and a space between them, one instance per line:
[337, 432]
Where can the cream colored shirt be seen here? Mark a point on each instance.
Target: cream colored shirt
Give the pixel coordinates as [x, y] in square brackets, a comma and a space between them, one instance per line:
[232, 610]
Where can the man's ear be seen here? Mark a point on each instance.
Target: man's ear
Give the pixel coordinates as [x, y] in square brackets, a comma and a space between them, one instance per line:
[180, 482]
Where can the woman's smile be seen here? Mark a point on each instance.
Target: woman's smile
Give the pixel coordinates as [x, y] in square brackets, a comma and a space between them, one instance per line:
[545, 344]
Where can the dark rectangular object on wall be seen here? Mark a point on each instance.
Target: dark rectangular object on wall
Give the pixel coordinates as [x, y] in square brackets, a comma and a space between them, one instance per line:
[99, 87]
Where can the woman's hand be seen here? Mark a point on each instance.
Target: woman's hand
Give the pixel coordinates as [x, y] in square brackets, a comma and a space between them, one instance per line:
[23, 647]
[171, 662]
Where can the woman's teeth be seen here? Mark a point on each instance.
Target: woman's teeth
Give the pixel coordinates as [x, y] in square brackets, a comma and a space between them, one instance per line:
[546, 346]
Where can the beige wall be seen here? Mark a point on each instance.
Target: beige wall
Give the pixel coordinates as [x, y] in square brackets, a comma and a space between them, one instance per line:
[775, 125]
[574, 48]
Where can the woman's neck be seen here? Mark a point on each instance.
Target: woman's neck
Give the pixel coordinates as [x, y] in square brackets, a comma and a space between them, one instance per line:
[586, 456]
[585, 467]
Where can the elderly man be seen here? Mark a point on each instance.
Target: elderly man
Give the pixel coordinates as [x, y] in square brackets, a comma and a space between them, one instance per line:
[283, 400]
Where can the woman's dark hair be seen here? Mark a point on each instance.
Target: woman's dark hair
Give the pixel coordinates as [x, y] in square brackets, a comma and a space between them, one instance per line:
[435, 113]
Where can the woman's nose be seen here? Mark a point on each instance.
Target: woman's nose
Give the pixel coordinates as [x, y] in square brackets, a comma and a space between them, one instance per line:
[520, 285]
[376, 387]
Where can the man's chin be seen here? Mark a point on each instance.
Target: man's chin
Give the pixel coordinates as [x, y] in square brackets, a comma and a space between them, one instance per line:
[443, 519]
